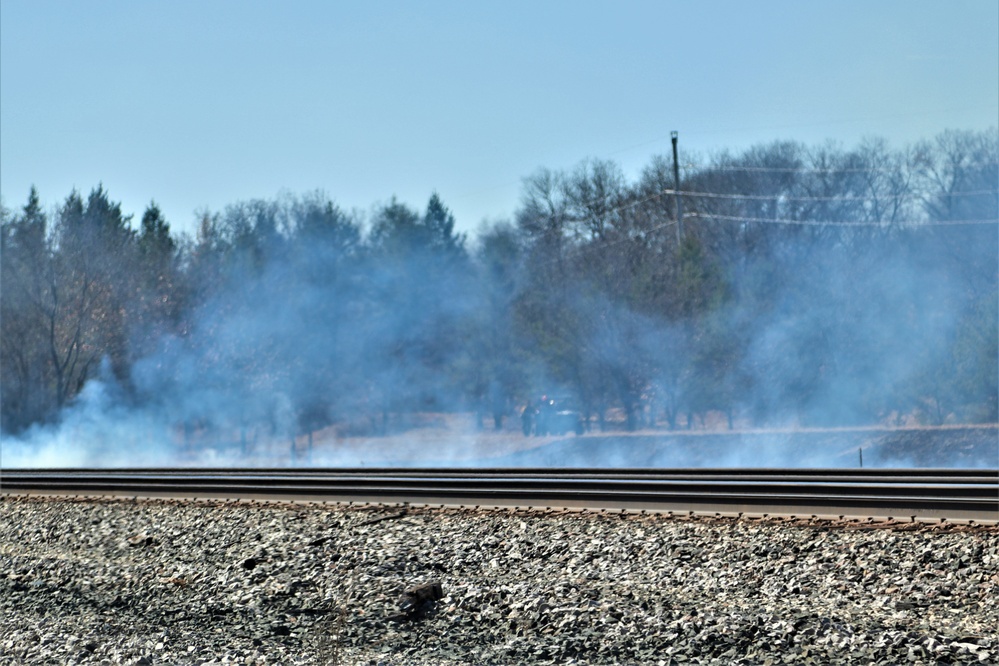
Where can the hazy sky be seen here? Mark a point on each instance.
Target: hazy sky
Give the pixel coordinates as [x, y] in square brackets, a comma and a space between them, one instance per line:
[201, 104]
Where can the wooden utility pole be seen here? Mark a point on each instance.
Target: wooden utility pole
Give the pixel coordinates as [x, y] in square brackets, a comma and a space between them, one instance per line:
[676, 193]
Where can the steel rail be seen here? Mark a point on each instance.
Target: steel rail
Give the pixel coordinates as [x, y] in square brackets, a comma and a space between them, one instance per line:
[906, 494]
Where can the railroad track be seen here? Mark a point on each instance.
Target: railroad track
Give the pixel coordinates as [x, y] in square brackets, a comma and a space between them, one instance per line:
[958, 495]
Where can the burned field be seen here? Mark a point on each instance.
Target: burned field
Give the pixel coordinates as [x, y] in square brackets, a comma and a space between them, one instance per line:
[455, 442]
[964, 446]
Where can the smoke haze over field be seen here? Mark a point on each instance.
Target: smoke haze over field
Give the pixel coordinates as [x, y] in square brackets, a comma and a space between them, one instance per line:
[812, 287]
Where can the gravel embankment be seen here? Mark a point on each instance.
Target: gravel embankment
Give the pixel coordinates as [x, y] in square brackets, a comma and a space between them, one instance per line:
[159, 582]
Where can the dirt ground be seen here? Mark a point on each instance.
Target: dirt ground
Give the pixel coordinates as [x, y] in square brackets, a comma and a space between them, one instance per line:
[442, 439]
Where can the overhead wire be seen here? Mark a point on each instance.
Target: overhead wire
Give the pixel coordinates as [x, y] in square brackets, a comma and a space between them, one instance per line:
[690, 166]
[691, 194]
[645, 232]
[784, 197]
[594, 216]
[907, 224]
[831, 223]
[908, 197]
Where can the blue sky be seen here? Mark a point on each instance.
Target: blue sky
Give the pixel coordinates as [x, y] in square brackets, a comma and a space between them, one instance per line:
[201, 104]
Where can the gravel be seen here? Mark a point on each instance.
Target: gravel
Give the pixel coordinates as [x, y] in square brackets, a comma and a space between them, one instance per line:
[171, 582]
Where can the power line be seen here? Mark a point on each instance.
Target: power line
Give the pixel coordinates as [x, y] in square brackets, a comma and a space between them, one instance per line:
[670, 191]
[769, 220]
[920, 224]
[910, 197]
[782, 197]
[690, 166]
[860, 223]
[909, 224]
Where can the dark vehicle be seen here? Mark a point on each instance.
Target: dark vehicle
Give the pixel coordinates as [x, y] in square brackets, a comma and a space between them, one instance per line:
[556, 417]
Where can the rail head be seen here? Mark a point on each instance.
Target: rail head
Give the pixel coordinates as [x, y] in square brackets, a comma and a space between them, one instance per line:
[956, 495]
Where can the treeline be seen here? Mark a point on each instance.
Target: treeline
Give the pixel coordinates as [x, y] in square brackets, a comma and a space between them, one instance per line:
[810, 286]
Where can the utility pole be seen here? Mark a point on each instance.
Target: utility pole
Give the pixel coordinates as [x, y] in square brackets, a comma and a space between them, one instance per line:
[676, 193]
